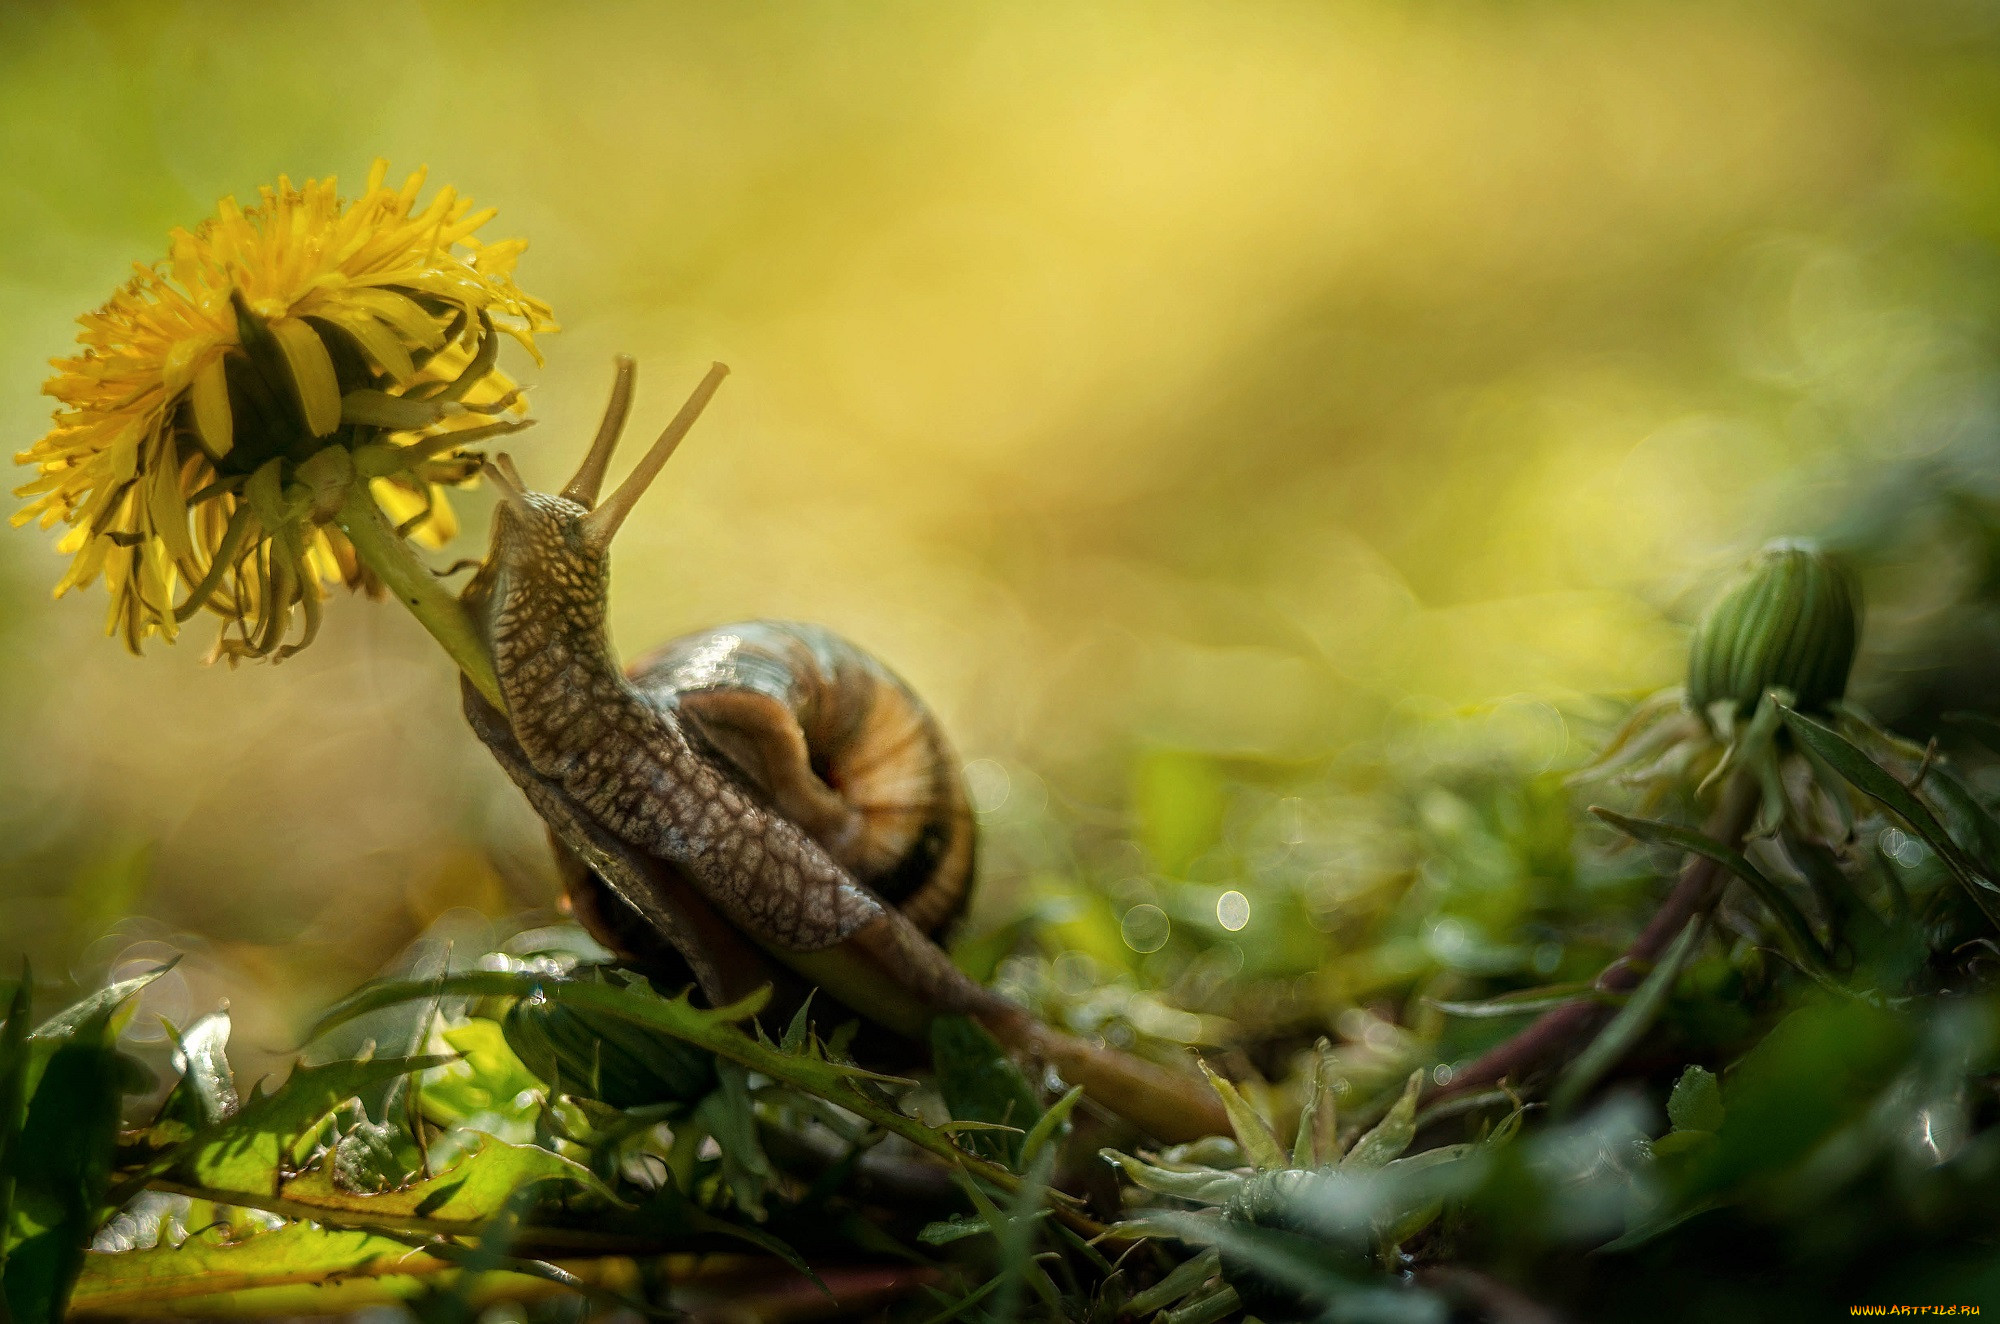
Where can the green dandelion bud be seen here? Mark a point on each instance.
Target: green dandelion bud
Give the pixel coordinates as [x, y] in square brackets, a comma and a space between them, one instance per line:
[1789, 622]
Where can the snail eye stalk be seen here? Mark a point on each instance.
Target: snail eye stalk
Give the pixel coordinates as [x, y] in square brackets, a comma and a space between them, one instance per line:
[507, 481]
[589, 480]
[601, 525]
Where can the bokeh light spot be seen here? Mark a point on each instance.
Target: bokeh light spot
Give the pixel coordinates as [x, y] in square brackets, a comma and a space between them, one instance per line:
[987, 782]
[1145, 928]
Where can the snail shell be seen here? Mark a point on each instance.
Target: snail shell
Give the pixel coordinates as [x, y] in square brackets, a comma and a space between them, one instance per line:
[829, 737]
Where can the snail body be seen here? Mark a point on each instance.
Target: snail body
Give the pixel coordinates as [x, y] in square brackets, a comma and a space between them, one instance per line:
[822, 733]
[837, 743]
[765, 800]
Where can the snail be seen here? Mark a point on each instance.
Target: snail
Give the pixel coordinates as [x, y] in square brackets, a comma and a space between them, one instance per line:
[765, 802]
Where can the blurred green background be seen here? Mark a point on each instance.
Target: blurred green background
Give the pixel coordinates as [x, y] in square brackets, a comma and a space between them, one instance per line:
[1225, 414]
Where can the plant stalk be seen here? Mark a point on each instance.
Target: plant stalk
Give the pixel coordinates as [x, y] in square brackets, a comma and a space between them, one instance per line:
[1700, 886]
[435, 607]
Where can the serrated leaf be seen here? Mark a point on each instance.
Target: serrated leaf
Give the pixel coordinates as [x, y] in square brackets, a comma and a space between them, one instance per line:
[595, 1055]
[715, 1030]
[1696, 1102]
[981, 1083]
[1259, 1142]
[728, 1116]
[1388, 1138]
[487, 1088]
[374, 1156]
[800, 1027]
[472, 1190]
[301, 1269]
[245, 1153]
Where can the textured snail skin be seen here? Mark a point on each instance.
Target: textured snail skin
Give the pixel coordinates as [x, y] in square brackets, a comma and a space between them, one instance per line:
[836, 742]
[586, 734]
[628, 785]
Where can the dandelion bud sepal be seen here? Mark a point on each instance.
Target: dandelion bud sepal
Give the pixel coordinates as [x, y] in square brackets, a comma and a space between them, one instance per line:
[1789, 622]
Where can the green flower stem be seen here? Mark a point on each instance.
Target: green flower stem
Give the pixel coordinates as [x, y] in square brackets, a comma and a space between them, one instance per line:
[434, 606]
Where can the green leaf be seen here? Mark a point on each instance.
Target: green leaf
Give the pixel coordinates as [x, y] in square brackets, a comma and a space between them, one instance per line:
[1202, 1186]
[1966, 814]
[60, 1088]
[245, 1153]
[1015, 1239]
[13, 1106]
[1259, 1142]
[374, 1156]
[486, 1089]
[1630, 1024]
[1798, 932]
[97, 1009]
[1317, 1141]
[206, 1092]
[801, 1026]
[980, 1083]
[1185, 1279]
[606, 1057]
[1696, 1103]
[1872, 780]
[59, 1168]
[1051, 1124]
[472, 1190]
[1388, 1138]
[1271, 1262]
[727, 1115]
[1206, 1308]
[301, 1269]
[956, 1228]
[1528, 1001]
[1981, 727]
[715, 1030]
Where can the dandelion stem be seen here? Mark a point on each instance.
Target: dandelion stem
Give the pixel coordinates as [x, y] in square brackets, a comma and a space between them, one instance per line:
[376, 543]
[1700, 886]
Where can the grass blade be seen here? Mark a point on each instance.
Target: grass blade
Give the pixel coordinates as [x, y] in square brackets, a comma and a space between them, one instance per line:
[1629, 1025]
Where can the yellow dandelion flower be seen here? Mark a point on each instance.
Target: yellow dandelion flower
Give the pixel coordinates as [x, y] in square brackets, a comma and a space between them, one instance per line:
[229, 400]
